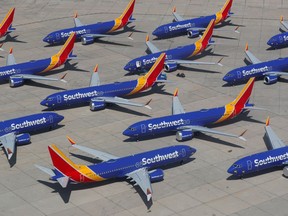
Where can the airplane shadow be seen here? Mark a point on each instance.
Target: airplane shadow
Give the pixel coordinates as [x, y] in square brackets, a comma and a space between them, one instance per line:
[13, 39]
[42, 85]
[46, 130]
[67, 67]
[224, 37]
[192, 69]
[155, 89]
[211, 139]
[228, 23]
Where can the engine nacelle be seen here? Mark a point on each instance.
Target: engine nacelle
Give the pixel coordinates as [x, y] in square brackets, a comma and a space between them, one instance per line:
[156, 175]
[270, 79]
[169, 67]
[97, 105]
[16, 81]
[87, 40]
[23, 139]
[184, 135]
[192, 34]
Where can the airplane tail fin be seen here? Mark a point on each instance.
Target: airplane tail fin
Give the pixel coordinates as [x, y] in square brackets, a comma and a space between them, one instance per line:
[224, 12]
[125, 17]
[66, 51]
[243, 98]
[205, 39]
[6, 24]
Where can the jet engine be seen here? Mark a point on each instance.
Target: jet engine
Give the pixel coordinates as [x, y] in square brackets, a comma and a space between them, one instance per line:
[184, 135]
[270, 79]
[192, 34]
[97, 105]
[87, 40]
[169, 67]
[23, 139]
[156, 175]
[16, 81]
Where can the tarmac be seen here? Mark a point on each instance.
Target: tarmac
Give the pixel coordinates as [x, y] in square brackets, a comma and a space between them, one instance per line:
[199, 187]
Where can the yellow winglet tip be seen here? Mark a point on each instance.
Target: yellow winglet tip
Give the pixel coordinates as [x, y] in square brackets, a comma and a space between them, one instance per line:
[96, 68]
[281, 18]
[246, 47]
[174, 9]
[1, 44]
[75, 14]
[176, 92]
[11, 50]
[147, 38]
[71, 140]
[267, 121]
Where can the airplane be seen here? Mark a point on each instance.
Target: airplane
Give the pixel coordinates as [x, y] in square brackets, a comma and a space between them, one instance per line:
[280, 40]
[187, 124]
[275, 157]
[100, 95]
[175, 56]
[269, 70]
[18, 73]
[87, 33]
[191, 27]
[142, 168]
[6, 23]
[16, 131]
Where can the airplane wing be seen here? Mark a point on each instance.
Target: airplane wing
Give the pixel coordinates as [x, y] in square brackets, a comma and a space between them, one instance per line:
[274, 140]
[97, 35]
[197, 128]
[196, 29]
[119, 100]
[95, 80]
[8, 142]
[176, 104]
[142, 178]
[179, 61]
[77, 22]
[284, 23]
[276, 73]
[250, 56]
[10, 58]
[36, 77]
[176, 15]
[151, 46]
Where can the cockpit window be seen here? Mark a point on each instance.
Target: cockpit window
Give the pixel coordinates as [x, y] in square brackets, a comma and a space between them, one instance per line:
[49, 99]
[132, 129]
[236, 165]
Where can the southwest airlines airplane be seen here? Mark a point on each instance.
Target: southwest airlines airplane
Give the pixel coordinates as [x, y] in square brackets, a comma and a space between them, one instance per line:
[280, 40]
[175, 56]
[87, 33]
[274, 157]
[6, 24]
[140, 168]
[18, 73]
[16, 131]
[191, 27]
[99, 95]
[186, 124]
[269, 70]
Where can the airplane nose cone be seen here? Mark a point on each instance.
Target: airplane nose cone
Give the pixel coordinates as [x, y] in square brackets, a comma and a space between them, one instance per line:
[45, 39]
[232, 170]
[269, 42]
[44, 103]
[60, 117]
[126, 67]
[225, 78]
[126, 133]
[192, 150]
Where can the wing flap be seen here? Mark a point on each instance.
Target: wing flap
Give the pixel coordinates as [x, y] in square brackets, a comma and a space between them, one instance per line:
[142, 178]
[276, 73]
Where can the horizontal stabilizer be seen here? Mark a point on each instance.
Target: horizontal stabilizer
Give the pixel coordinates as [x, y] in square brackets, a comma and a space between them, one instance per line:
[63, 181]
[45, 170]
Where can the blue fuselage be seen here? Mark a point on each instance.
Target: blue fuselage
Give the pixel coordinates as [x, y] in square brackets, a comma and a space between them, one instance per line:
[260, 161]
[30, 123]
[279, 40]
[242, 74]
[173, 122]
[31, 67]
[84, 95]
[179, 28]
[60, 36]
[144, 63]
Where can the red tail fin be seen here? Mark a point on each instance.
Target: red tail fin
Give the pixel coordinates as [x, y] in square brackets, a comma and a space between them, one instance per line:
[7, 22]
[224, 12]
[155, 70]
[243, 97]
[207, 35]
[67, 48]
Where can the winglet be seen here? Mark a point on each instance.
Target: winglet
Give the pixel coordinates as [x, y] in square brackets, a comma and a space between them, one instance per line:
[174, 9]
[62, 78]
[75, 14]
[147, 38]
[175, 92]
[130, 36]
[246, 47]
[219, 62]
[96, 68]
[147, 104]
[267, 121]
[149, 194]
[11, 50]
[236, 29]
[241, 135]
[281, 18]
[71, 140]
[9, 153]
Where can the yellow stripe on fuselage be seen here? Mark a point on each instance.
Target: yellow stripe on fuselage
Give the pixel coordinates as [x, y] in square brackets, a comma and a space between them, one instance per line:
[118, 23]
[198, 46]
[243, 91]
[53, 63]
[141, 82]
[229, 110]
